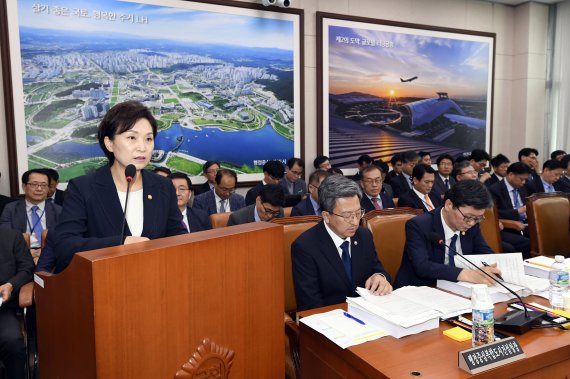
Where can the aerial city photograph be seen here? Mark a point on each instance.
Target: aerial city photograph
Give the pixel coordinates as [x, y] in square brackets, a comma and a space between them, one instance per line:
[219, 90]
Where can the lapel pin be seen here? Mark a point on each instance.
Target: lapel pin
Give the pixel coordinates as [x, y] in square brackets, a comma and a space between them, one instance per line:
[462, 233]
[149, 197]
[355, 243]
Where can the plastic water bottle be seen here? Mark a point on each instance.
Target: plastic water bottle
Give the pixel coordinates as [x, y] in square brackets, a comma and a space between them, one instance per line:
[483, 329]
[558, 282]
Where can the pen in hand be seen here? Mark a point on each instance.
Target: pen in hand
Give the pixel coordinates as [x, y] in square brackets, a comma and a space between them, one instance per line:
[497, 275]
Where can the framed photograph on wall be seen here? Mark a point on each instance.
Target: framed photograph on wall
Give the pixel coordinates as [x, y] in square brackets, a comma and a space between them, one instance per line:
[386, 87]
[224, 80]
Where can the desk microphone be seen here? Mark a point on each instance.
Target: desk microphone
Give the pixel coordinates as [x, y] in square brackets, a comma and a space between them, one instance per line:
[516, 321]
[130, 172]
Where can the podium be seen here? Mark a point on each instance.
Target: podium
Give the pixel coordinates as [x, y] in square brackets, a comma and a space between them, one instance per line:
[192, 306]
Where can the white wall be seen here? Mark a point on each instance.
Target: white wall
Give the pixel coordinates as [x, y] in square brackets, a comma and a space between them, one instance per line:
[520, 65]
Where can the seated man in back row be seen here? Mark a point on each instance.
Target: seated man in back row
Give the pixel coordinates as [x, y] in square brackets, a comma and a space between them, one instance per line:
[268, 205]
[456, 223]
[335, 256]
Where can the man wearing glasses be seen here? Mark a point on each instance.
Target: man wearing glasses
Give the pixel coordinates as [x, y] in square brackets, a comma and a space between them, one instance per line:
[209, 170]
[371, 183]
[335, 256]
[292, 183]
[223, 198]
[33, 214]
[310, 205]
[268, 205]
[194, 220]
[457, 224]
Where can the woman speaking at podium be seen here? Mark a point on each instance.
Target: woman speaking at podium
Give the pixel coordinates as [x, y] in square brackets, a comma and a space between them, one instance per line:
[94, 208]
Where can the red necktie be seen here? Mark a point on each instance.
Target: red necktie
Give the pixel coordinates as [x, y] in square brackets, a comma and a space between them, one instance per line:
[376, 203]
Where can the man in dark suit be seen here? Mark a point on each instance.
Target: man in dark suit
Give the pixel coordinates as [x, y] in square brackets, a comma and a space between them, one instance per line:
[363, 161]
[443, 178]
[291, 182]
[510, 194]
[194, 220]
[310, 205]
[551, 172]
[223, 198]
[371, 184]
[419, 196]
[209, 170]
[16, 269]
[396, 163]
[564, 183]
[268, 205]
[322, 162]
[273, 172]
[33, 214]
[425, 261]
[54, 195]
[335, 256]
[500, 164]
[529, 156]
[403, 182]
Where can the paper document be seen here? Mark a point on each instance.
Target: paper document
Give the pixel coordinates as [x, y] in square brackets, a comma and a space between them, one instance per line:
[497, 293]
[342, 330]
[447, 304]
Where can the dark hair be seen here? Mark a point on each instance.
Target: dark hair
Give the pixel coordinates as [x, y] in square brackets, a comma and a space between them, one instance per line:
[225, 172]
[471, 193]
[180, 175]
[479, 155]
[383, 166]
[424, 153]
[272, 194]
[525, 152]
[318, 176]
[295, 161]
[320, 160]
[335, 171]
[444, 156]
[274, 168]
[335, 187]
[462, 158]
[565, 161]
[42, 171]
[166, 170]
[395, 159]
[518, 168]
[420, 170]
[367, 169]
[119, 119]
[556, 153]
[499, 159]
[209, 164]
[409, 156]
[552, 164]
[53, 174]
[364, 158]
[458, 166]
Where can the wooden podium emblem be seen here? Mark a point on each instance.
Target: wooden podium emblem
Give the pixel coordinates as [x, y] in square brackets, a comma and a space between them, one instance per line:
[209, 361]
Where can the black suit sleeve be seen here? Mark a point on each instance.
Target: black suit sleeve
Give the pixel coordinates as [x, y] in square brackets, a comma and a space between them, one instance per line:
[305, 278]
[17, 269]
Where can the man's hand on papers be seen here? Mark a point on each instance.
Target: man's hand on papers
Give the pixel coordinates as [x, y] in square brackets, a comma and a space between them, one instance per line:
[6, 291]
[476, 276]
[378, 285]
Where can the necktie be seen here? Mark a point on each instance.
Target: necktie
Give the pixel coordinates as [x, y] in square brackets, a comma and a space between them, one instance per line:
[319, 212]
[346, 260]
[517, 204]
[452, 250]
[37, 224]
[429, 205]
[550, 188]
[376, 203]
[446, 182]
[184, 224]
[222, 206]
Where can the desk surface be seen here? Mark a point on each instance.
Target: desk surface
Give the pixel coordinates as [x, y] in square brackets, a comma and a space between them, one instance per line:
[430, 354]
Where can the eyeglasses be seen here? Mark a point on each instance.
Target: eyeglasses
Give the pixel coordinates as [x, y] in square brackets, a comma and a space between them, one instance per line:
[470, 172]
[348, 216]
[296, 173]
[270, 212]
[212, 172]
[182, 189]
[472, 219]
[37, 185]
[370, 181]
[227, 190]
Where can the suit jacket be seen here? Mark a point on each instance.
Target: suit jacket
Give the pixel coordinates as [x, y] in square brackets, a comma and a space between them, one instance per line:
[202, 188]
[492, 180]
[251, 195]
[15, 216]
[207, 202]
[59, 197]
[563, 184]
[246, 215]
[536, 186]
[439, 188]
[423, 260]
[304, 208]
[318, 273]
[3, 201]
[365, 202]
[412, 200]
[299, 187]
[92, 217]
[390, 177]
[503, 200]
[400, 185]
[16, 264]
[388, 190]
[198, 220]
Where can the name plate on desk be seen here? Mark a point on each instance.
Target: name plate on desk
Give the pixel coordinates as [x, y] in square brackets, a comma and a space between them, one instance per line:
[486, 357]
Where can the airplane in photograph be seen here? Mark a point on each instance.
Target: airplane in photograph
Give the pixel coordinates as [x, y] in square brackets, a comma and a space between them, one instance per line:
[408, 80]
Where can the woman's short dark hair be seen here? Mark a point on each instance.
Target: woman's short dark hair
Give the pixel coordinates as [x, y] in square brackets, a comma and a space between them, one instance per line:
[119, 119]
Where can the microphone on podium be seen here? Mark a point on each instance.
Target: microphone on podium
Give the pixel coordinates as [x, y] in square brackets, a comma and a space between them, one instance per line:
[130, 172]
[516, 321]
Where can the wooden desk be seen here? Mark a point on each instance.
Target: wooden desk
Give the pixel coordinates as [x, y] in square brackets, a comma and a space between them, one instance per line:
[429, 354]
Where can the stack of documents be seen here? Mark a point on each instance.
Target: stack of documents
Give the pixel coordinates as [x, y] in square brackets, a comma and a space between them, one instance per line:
[408, 310]
[540, 266]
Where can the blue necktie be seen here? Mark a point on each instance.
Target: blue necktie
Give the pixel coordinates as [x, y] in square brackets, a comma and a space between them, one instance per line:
[346, 260]
[446, 181]
[550, 188]
[37, 224]
[452, 249]
[517, 204]
[222, 206]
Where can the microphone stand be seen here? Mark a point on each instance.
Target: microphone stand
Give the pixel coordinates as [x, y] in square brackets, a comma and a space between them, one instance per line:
[130, 172]
[515, 321]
